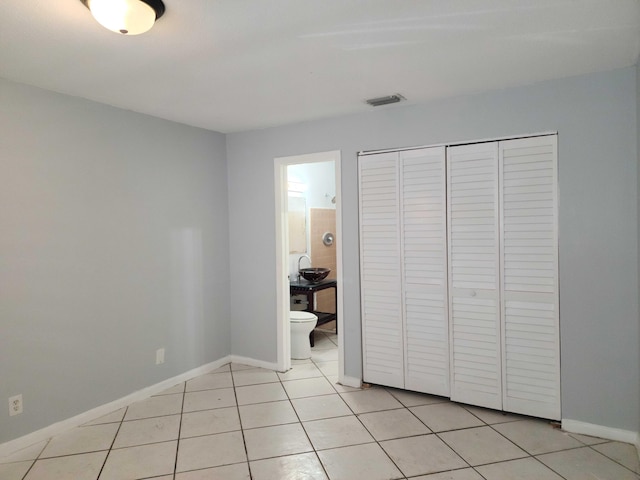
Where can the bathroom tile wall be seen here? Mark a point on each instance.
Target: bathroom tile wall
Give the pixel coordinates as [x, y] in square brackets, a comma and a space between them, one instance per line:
[322, 220]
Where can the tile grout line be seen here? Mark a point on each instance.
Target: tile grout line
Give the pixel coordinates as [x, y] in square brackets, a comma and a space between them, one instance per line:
[315, 452]
[360, 421]
[535, 456]
[244, 441]
[104, 463]
[241, 430]
[613, 459]
[184, 396]
[432, 433]
[37, 458]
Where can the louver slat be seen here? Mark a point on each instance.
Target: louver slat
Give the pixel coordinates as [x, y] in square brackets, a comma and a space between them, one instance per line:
[474, 275]
[382, 337]
[424, 266]
[531, 368]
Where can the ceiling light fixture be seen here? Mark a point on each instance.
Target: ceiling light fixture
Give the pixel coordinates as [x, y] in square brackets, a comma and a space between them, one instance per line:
[128, 17]
[376, 102]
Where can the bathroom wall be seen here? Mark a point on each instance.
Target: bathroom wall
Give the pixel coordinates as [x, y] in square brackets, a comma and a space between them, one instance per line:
[320, 189]
[323, 220]
[113, 243]
[595, 117]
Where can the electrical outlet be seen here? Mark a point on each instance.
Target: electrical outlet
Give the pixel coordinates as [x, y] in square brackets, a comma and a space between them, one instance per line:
[15, 405]
[159, 356]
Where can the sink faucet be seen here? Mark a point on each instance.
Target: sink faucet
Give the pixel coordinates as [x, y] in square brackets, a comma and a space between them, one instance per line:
[299, 259]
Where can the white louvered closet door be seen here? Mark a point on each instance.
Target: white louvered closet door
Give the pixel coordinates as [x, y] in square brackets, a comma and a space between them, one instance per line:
[424, 270]
[474, 285]
[380, 273]
[530, 317]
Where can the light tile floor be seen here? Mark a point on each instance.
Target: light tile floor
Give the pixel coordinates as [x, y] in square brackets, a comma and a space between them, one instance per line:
[240, 422]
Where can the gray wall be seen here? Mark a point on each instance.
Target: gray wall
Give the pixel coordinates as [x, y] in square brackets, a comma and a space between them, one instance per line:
[113, 243]
[638, 147]
[595, 116]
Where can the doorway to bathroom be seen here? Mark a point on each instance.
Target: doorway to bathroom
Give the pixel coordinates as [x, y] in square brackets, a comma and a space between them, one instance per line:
[307, 207]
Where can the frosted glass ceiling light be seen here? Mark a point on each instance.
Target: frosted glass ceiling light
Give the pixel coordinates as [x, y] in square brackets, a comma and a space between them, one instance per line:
[128, 17]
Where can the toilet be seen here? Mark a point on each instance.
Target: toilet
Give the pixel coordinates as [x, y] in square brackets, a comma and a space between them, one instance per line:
[302, 323]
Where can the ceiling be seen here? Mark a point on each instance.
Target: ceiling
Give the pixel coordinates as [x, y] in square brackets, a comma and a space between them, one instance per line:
[236, 65]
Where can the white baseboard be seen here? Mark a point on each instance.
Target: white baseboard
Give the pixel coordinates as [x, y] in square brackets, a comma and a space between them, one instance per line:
[252, 362]
[617, 434]
[351, 382]
[20, 443]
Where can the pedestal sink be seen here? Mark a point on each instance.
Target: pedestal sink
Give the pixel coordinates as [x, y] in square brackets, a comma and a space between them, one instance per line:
[314, 275]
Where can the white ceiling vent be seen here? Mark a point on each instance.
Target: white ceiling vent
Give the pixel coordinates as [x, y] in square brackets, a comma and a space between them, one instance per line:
[376, 102]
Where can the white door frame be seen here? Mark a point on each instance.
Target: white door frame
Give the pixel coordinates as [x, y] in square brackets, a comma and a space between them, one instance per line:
[282, 255]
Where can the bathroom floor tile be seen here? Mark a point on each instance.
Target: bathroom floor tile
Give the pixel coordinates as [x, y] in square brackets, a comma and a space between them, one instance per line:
[328, 329]
[305, 370]
[276, 441]
[238, 471]
[113, 417]
[254, 376]
[522, 469]
[336, 432]
[148, 430]
[328, 355]
[409, 455]
[267, 414]
[574, 464]
[537, 436]
[209, 422]
[308, 387]
[323, 406]
[292, 467]
[14, 470]
[85, 466]
[359, 462]
[266, 392]
[159, 406]
[140, 462]
[481, 445]
[209, 399]
[414, 399]
[390, 424]
[322, 342]
[441, 417]
[210, 451]
[370, 400]
[329, 369]
[462, 474]
[210, 381]
[300, 361]
[622, 453]
[82, 440]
